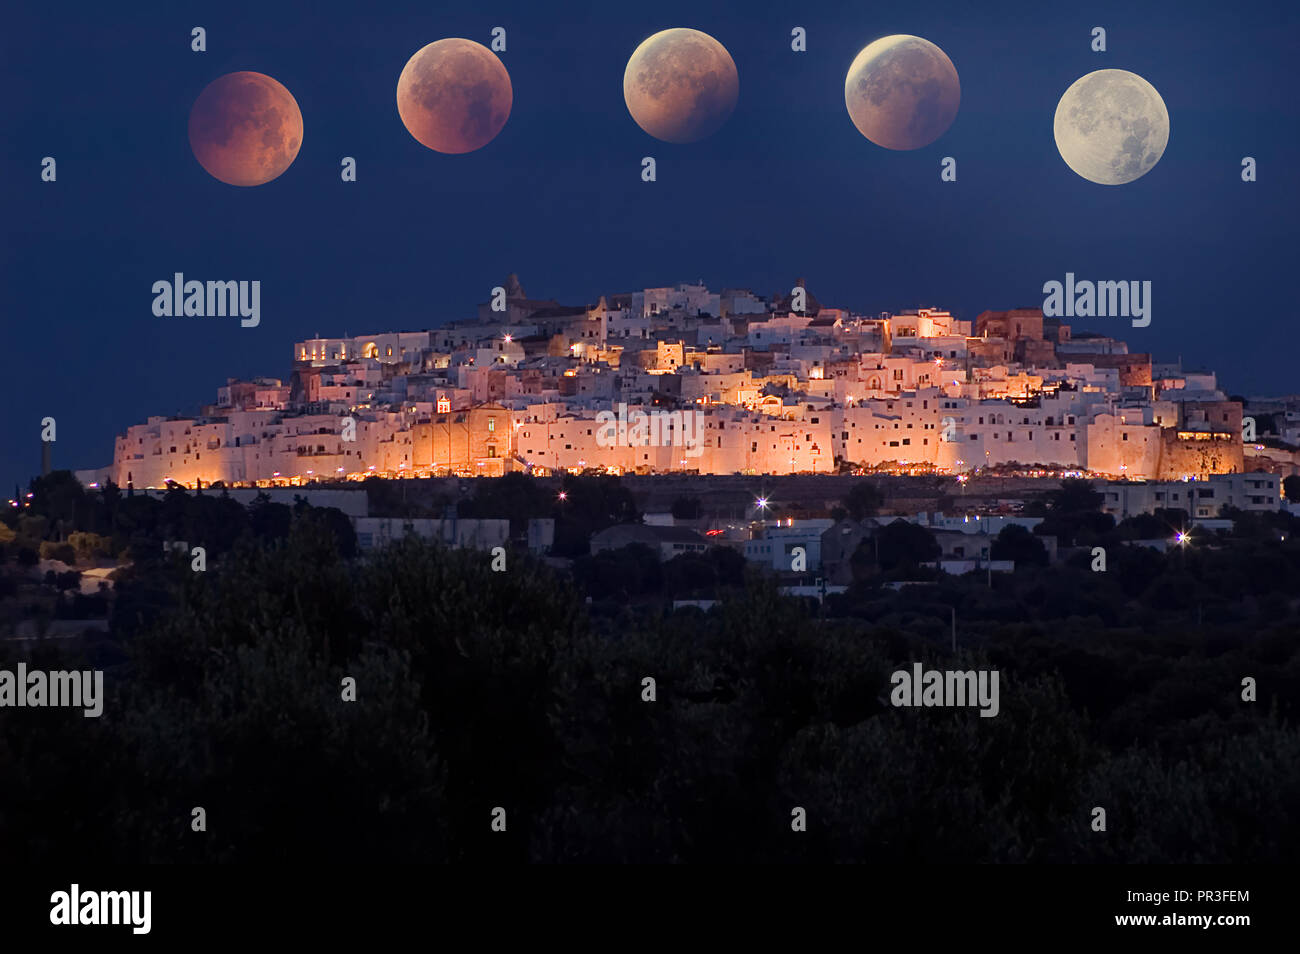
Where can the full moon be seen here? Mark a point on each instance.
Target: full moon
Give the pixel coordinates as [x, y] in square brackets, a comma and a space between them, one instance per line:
[902, 92]
[681, 85]
[1111, 127]
[454, 96]
[245, 129]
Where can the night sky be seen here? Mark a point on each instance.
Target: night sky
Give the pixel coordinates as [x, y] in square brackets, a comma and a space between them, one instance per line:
[786, 188]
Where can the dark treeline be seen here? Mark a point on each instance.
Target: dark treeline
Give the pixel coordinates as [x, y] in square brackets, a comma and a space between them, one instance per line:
[479, 689]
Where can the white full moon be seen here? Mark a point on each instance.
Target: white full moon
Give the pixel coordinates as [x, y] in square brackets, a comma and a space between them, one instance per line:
[1111, 127]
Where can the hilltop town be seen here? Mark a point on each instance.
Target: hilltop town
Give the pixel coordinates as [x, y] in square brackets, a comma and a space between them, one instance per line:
[733, 382]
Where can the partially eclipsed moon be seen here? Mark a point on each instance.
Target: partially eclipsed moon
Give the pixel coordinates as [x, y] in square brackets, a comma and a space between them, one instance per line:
[902, 92]
[454, 96]
[680, 85]
[245, 129]
[1111, 127]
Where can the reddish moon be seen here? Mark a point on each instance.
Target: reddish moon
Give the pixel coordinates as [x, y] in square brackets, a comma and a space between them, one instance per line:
[245, 129]
[454, 96]
[680, 85]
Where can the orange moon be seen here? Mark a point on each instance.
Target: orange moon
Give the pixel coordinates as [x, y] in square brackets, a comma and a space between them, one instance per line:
[245, 129]
[680, 85]
[454, 96]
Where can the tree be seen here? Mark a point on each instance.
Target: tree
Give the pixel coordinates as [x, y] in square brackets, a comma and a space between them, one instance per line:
[63, 552]
[1017, 543]
[60, 497]
[269, 520]
[516, 497]
[337, 523]
[687, 508]
[863, 500]
[1075, 496]
[905, 544]
[1146, 526]
[1074, 513]
[619, 574]
[590, 504]
[1291, 487]
[90, 545]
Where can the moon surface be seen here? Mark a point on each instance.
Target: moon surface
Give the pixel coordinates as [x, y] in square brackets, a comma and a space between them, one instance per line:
[681, 85]
[902, 92]
[454, 96]
[245, 129]
[1111, 127]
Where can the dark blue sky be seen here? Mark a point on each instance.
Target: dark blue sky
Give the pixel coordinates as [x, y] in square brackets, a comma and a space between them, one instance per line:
[787, 188]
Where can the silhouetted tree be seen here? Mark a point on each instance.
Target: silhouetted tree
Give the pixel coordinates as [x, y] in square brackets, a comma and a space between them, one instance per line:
[1017, 543]
[863, 500]
[687, 508]
[905, 544]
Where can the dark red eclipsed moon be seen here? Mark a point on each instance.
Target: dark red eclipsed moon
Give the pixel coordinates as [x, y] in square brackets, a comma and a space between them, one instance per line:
[454, 96]
[245, 129]
[680, 85]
